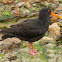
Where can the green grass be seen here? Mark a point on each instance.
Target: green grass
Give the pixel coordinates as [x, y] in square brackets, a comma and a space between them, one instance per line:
[24, 56]
[1, 57]
[43, 56]
[44, 53]
[6, 15]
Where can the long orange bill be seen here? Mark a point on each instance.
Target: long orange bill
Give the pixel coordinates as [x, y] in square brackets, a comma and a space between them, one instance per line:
[56, 15]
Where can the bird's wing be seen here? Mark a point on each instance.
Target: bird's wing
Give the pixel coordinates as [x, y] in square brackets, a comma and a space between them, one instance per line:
[28, 28]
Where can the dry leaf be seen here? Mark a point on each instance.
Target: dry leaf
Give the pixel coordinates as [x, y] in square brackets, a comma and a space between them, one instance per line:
[53, 19]
[28, 4]
[10, 1]
[7, 50]
[17, 11]
[15, 2]
[1, 1]
[53, 1]
[4, 2]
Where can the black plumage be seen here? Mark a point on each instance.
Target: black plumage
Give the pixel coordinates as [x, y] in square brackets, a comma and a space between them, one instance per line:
[31, 29]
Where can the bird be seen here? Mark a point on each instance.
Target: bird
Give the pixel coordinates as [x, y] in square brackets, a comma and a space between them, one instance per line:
[31, 30]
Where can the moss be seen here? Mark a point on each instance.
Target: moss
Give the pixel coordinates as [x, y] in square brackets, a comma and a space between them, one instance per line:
[1, 4]
[1, 57]
[43, 4]
[29, 58]
[60, 1]
[5, 27]
[45, 57]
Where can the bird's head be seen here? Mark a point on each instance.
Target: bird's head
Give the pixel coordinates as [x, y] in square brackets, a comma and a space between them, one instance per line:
[46, 11]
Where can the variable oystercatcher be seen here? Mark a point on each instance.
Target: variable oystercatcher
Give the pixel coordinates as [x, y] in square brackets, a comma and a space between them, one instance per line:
[31, 30]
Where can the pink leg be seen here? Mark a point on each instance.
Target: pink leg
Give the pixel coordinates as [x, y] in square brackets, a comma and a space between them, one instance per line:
[35, 51]
[32, 53]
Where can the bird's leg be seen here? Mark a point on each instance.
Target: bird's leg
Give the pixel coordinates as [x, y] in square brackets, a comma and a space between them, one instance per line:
[35, 51]
[31, 52]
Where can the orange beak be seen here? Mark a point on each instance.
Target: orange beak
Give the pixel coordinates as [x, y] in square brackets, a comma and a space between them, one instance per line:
[56, 15]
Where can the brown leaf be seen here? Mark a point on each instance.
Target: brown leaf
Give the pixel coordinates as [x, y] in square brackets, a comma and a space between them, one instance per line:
[7, 50]
[4, 2]
[17, 11]
[15, 2]
[28, 4]
[53, 19]
[10, 1]
[1, 1]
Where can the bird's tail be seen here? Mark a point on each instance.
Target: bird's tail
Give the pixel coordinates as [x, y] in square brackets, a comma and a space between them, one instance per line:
[4, 34]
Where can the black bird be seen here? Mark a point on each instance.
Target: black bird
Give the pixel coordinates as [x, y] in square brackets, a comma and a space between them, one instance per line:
[31, 30]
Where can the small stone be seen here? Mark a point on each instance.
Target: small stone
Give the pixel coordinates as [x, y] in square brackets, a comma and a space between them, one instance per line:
[7, 42]
[59, 8]
[51, 51]
[46, 3]
[7, 50]
[12, 57]
[49, 45]
[25, 12]
[1, 48]
[10, 43]
[47, 39]
[54, 30]
[20, 4]
[14, 46]
[1, 43]
[16, 40]
[51, 55]
[0, 38]
[59, 24]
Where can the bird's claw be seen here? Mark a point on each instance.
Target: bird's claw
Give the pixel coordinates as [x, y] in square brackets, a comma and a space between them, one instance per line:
[35, 51]
[32, 53]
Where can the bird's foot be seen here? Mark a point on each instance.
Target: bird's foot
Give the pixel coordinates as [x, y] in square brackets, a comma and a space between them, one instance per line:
[32, 53]
[35, 51]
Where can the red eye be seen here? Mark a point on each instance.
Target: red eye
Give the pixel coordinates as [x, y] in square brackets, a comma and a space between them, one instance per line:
[48, 10]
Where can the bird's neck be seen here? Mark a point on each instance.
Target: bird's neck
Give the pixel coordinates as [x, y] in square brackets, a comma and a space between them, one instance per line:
[44, 17]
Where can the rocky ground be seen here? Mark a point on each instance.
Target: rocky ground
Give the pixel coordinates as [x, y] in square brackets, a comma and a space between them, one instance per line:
[15, 50]
[48, 53]
[10, 9]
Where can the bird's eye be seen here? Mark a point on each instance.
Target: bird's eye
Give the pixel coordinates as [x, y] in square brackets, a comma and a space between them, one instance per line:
[48, 10]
